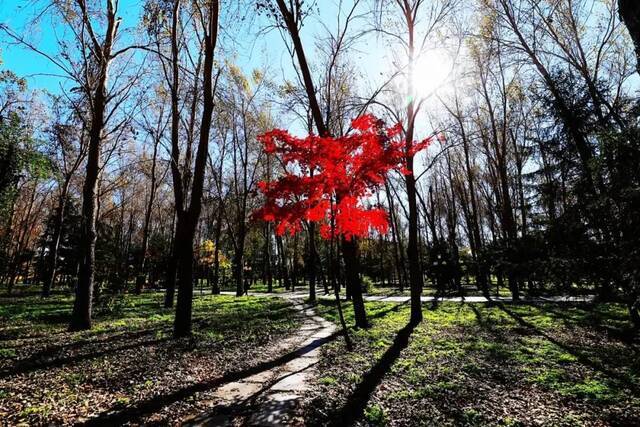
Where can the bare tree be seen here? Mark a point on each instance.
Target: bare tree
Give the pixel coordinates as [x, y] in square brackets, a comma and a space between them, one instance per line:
[70, 150]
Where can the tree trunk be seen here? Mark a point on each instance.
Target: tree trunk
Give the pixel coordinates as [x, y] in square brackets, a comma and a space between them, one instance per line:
[50, 278]
[178, 195]
[170, 281]
[141, 276]
[268, 274]
[81, 315]
[415, 272]
[313, 256]
[184, 303]
[350, 256]
[284, 269]
[16, 261]
[295, 267]
[172, 269]
[629, 11]
[216, 254]
[397, 250]
[238, 261]
[182, 324]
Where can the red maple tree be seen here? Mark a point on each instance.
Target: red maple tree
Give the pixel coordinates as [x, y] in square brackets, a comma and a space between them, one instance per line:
[326, 179]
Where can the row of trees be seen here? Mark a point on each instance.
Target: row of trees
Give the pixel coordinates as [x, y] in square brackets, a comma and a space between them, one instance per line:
[154, 154]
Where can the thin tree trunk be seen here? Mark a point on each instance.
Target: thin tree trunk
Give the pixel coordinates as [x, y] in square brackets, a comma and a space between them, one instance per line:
[172, 269]
[267, 258]
[216, 253]
[81, 315]
[415, 270]
[50, 277]
[397, 250]
[238, 259]
[178, 189]
[313, 256]
[284, 269]
[141, 276]
[22, 238]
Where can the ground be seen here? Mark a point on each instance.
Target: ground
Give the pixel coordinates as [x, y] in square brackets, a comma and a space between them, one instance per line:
[128, 366]
[465, 364]
[475, 364]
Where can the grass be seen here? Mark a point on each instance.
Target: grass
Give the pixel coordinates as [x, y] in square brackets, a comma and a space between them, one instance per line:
[430, 290]
[478, 364]
[259, 287]
[51, 376]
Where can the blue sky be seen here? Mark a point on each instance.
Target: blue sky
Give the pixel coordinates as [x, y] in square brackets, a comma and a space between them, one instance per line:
[37, 69]
[241, 42]
[249, 53]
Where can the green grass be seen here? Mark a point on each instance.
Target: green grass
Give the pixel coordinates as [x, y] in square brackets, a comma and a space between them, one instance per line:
[259, 287]
[465, 360]
[52, 376]
[375, 415]
[430, 290]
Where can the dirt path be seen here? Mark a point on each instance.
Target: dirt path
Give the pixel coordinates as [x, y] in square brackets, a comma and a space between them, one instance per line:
[273, 397]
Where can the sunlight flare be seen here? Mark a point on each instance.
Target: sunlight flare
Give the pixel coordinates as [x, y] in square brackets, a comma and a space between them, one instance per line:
[432, 73]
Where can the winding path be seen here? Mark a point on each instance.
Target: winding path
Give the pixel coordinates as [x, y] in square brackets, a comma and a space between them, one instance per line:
[273, 397]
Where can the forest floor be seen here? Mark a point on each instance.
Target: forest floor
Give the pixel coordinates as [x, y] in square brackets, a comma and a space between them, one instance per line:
[544, 363]
[128, 368]
[481, 364]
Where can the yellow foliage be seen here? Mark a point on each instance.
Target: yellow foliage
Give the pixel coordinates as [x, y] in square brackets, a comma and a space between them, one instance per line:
[287, 88]
[257, 76]
[238, 77]
[515, 92]
[207, 255]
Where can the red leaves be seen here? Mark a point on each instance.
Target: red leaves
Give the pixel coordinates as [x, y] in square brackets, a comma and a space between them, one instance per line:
[354, 221]
[332, 177]
[364, 122]
[416, 147]
[317, 212]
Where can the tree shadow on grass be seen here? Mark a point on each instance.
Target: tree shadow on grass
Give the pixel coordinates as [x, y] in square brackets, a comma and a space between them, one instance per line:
[55, 317]
[46, 355]
[357, 401]
[145, 407]
[596, 320]
[36, 362]
[614, 374]
[329, 307]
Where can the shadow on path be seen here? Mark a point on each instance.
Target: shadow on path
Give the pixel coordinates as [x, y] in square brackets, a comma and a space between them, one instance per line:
[259, 412]
[154, 404]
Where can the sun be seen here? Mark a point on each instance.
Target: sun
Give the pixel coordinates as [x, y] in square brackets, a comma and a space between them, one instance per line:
[432, 73]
